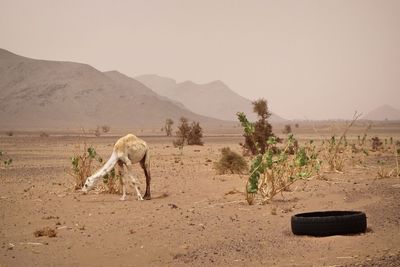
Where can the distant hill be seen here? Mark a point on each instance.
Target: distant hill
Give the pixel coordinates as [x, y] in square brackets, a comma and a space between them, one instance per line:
[51, 94]
[214, 99]
[384, 112]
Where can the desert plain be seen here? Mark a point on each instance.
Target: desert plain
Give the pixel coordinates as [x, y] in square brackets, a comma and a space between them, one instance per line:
[196, 216]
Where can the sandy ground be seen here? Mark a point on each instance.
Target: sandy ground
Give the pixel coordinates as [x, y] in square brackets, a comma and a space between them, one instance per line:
[191, 220]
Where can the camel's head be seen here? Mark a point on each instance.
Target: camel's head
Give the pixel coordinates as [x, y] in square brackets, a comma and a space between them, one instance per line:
[89, 184]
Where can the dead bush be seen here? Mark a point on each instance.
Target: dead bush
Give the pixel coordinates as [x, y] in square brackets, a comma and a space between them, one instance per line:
[168, 127]
[9, 133]
[46, 231]
[5, 158]
[97, 132]
[230, 162]
[105, 128]
[287, 129]
[44, 135]
[376, 143]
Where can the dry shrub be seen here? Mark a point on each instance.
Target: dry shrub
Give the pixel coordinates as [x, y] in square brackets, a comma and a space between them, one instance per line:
[83, 162]
[105, 128]
[168, 127]
[46, 231]
[334, 149]
[44, 134]
[112, 180]
[5, 159]
[188, 134]
[9, 133]
[230, 162]
[97, 132]
[387, 171]
[376, 143]
[287, 129]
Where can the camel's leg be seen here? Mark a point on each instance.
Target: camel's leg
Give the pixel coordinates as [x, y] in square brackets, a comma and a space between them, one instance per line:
[146, 168]
[121, 174]
[134, 181]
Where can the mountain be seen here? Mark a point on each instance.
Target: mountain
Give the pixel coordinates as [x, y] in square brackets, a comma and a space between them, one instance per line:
[384, 112]
[214, 99]
[52, 94]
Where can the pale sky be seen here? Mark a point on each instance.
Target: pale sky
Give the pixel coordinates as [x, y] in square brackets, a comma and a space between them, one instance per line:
[309, 59]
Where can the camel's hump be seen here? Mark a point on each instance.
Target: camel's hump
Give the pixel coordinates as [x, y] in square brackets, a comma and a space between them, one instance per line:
[127, 140]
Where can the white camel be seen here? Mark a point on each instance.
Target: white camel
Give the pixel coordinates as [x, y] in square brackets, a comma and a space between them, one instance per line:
[127, 151]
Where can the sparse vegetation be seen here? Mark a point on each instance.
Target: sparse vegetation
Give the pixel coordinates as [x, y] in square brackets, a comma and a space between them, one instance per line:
[385, 171]
[46, 231]
[188, 134]
[334, 148]
[110, 180]
[97, 132]
[272, 173]
[195, 134]
[231, 162]
[168, 127]
[105, 128]
[376, 143]
[44, 135]
[83, 163]
[287, 129]
[7, 161]
[256, 133]
[9, 133]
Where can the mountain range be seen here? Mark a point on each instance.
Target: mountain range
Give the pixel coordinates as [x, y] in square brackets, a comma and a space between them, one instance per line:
[214, 99]
[53, 94]
[43, 94]
[385, 112]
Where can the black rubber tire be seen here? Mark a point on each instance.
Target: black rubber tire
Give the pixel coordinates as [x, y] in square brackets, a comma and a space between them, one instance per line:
[326, 223]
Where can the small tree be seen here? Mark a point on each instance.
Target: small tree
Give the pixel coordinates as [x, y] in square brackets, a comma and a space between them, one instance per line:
[182, 133]
[188, 134]
[168, 126]
[287, 129]
[195, 134]
[97, 132]
[105, 128]
[260, 131]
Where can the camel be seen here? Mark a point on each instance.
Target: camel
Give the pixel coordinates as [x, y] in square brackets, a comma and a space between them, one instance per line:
[127, 150]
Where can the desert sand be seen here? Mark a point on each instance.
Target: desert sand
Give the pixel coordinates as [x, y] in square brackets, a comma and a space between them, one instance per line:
[196, 217]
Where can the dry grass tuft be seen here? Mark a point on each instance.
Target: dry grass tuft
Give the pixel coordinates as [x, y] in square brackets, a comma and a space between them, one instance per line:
[46, 231]
[230, 162]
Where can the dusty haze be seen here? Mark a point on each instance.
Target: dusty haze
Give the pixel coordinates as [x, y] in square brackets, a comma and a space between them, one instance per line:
[310, 59]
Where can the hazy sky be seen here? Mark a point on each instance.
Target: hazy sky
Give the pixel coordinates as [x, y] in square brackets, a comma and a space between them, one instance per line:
[309, 59]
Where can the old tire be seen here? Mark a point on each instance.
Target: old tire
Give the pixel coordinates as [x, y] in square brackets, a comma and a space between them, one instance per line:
[325, 223]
